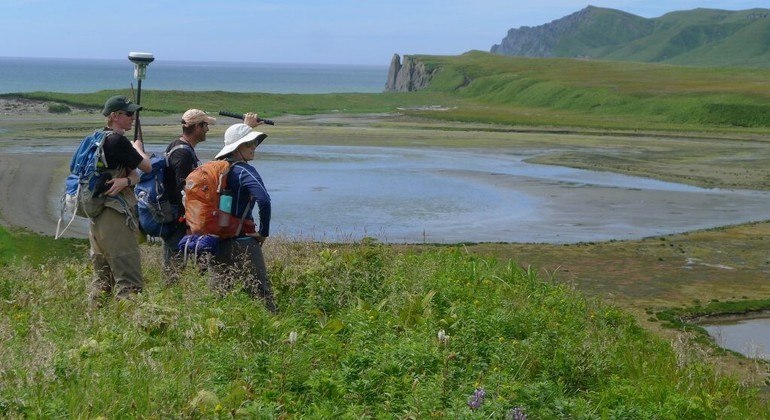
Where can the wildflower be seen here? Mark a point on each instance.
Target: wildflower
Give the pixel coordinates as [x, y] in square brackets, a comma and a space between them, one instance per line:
[475, 400]
[292, 337]
[516, 413]
[443, 338]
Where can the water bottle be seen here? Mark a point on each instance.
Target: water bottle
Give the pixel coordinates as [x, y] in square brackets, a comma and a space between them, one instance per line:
[225, 207]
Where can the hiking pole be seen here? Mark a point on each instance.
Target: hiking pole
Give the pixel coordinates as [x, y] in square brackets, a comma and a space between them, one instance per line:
[241, 116]
[140, 60]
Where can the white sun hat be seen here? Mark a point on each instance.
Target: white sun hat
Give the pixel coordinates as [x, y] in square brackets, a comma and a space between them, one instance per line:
[238, 134]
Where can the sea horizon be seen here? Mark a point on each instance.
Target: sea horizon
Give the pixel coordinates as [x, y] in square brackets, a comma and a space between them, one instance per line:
[87, 75]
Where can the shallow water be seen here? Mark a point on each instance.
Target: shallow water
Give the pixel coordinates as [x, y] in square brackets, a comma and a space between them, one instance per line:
[338, 193]
[749, 337]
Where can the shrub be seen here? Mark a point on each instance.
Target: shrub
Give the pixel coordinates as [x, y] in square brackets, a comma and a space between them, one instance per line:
[59, 109]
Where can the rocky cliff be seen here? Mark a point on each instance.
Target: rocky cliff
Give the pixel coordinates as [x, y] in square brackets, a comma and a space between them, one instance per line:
[407, 77]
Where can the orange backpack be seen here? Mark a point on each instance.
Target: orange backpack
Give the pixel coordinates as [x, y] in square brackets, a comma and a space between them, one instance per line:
[202, 191]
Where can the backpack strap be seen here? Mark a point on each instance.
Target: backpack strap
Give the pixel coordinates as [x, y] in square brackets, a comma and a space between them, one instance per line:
[243, 217]
[223, 177]
[62, 210]
[168, 154]
[186, 240]
[102, 156]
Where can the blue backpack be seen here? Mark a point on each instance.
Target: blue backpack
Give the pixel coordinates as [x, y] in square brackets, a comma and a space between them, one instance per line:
[157, 216]
[84, 186]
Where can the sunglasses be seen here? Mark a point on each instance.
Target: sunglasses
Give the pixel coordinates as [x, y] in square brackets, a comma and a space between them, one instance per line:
[252, 143]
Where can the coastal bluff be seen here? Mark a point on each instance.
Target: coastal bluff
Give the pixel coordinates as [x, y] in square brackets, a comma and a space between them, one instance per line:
[409, 76]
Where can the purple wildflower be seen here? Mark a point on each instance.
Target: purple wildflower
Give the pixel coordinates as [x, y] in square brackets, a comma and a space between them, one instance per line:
[516, 413]
[475, 400]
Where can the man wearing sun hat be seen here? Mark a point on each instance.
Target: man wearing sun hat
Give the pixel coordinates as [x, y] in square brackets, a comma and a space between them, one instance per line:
[241, 258]
[182, 159]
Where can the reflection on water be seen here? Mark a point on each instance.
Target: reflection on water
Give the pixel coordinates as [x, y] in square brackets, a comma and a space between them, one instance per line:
[749, 337]
[334, 193]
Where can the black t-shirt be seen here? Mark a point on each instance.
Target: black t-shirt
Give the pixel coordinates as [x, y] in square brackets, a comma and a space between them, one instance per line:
[180, 163]
[119, 152]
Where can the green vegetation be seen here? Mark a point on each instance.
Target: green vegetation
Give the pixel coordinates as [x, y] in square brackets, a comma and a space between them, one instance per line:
[482, 87]
[35, 249]
[358, 335]
[176, 102]
[682, 317]
[602, 94]
[59, 109]
[703, 37]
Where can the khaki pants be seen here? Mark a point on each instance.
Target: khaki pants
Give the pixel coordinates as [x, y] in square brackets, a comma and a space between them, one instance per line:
[115, 255]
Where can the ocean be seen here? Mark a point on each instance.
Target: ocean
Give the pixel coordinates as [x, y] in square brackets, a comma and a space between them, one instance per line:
[91, 75]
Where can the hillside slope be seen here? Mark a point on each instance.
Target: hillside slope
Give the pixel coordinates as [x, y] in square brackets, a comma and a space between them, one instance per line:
[703, 37]
[605, 91]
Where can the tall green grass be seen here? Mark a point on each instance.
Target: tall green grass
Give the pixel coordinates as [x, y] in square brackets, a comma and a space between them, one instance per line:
[363, 331]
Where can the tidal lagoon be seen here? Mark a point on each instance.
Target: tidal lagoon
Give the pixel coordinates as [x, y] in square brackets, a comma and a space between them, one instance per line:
[416, 195]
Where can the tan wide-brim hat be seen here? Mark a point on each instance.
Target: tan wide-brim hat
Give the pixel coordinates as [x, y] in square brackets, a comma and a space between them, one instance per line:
[238, 134]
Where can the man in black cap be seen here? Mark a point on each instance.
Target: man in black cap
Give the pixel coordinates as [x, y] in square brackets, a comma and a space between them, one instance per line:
[113, 232]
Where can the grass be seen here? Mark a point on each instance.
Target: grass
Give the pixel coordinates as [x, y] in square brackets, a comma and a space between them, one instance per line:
[267, 104]
[35, 249]
[662, 95]
[357, 336]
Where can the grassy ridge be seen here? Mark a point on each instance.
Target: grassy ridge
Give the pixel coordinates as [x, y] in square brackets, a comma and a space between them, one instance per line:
[649, 93]
[177, 102]
[357, 336]
[707, 37]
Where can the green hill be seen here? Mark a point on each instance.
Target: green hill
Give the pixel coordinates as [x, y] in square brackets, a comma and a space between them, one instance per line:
[703, 37]
[600, 93]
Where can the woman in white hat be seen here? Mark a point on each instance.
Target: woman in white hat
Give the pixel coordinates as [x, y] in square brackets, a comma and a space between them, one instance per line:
[241, 257]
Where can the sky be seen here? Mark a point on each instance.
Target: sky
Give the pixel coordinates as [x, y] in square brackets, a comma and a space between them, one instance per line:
[289, 31]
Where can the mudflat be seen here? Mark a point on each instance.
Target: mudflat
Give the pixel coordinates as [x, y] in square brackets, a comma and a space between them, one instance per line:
[28, 182]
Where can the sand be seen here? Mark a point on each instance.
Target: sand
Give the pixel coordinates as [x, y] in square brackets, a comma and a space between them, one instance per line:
[26, 183]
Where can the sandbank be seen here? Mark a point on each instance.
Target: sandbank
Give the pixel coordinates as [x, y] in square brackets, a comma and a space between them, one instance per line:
[27, 183]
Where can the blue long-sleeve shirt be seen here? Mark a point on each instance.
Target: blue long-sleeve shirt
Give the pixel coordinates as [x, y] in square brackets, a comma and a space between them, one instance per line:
[246, 185]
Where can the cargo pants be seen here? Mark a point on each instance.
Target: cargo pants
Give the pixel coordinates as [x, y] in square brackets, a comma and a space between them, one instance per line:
[115, 256]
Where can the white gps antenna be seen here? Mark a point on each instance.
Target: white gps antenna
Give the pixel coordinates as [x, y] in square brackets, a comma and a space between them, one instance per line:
[140, 60]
